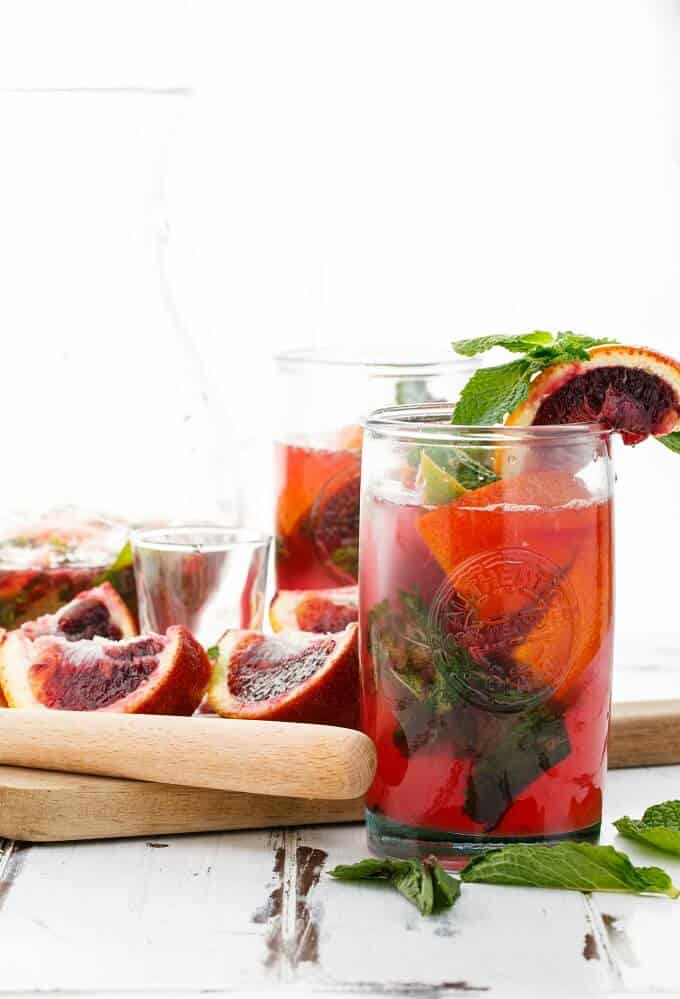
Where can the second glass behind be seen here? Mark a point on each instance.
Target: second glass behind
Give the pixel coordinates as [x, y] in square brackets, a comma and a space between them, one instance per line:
[322, 396]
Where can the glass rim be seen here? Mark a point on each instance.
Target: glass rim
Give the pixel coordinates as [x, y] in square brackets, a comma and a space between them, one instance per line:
[432, 422]
[170, 538]
[377, 360]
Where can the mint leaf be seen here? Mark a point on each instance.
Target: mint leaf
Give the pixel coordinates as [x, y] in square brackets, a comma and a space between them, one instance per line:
[573, 866]
[577, 342]
[492, 393]
[671, 441]
[424, 883]
[213, 653]
[412, 393]
[658, 827]
[531, 744]
[517, 343]
[347, 558]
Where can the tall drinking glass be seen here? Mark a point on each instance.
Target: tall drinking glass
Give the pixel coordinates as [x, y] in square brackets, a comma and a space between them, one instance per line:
[322, 396]
[486, 603]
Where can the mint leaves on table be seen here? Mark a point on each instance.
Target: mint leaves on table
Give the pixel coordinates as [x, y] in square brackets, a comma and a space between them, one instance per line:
[658, 827]
[494, 392]
[425, 883]
[571, 866]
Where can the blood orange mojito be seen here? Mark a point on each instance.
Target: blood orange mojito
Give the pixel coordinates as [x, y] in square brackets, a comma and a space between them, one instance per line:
[486, 616]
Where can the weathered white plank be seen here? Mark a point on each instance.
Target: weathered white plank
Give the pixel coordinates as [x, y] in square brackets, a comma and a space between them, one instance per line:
[370, 939]
[130, 915]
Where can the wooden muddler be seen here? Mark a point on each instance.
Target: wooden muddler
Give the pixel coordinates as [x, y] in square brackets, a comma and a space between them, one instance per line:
[274, 758]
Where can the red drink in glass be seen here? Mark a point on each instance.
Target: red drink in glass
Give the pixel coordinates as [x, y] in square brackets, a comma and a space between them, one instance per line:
[317, 514]
[486, 626]
[46, 561]
[322, 395]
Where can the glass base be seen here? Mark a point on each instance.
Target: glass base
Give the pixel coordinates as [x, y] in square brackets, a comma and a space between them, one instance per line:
[392, 839]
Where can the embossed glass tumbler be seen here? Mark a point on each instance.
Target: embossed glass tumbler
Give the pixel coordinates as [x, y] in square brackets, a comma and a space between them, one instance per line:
[486, 608]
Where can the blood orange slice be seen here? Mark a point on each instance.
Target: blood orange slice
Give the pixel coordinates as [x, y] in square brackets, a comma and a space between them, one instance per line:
[99, 611]
[320, 611]
[150, 674]
[292, 676]
[545, 519]
[630, 389]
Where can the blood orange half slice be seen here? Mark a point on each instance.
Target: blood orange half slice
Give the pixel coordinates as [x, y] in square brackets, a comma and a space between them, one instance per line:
[321, 611]
[149, 674]
[292, 676]
[630, 389]
[545, 519]
[99, 611]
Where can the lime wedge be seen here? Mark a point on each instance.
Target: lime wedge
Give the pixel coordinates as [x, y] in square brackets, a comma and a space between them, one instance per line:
[439, 486]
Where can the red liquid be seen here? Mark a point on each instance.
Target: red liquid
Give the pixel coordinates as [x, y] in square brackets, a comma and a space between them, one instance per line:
[516, 745]
[317, 516]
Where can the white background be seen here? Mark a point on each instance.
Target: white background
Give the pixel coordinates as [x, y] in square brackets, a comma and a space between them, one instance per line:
[186, 187]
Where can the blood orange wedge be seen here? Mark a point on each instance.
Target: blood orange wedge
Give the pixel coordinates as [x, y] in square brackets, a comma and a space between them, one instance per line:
[149, 674]
[547, 521]
[557, 650]
[321, 611]
[99, 611]
[291, 676]
[630, 389]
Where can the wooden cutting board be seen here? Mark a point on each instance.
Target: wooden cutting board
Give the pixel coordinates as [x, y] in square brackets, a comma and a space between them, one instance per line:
[43, 806]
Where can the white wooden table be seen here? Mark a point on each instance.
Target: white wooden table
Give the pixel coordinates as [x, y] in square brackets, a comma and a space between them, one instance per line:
[255, 912]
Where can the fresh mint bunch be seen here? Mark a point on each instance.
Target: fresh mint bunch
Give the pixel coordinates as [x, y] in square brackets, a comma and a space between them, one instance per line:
[492, 393]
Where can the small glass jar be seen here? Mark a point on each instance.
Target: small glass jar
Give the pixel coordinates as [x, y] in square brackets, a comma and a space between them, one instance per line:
[322, 396]
[46, 561]
[486, 611]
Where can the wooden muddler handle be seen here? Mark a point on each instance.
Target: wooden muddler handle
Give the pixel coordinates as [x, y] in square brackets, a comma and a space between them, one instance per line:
[278, 758]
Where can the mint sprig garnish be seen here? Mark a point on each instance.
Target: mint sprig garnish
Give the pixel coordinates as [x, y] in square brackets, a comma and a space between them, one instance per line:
[659, 827]
[571, 866]
[494, 392]
[425, 883]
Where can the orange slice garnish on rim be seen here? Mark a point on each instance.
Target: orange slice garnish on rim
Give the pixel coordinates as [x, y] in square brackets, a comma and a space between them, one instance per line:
[630, 389]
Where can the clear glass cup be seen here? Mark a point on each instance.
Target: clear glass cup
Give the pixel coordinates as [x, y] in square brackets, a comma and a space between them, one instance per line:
[206, 578]
[486, 611]
[322, 396]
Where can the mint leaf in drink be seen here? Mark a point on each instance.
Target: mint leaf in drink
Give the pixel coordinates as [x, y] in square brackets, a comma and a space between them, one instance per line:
[572, 866]
[671, 441]
[530, 744]
[424, 883]
[347, 558]
[412, 393]
[492, 393]
[659, 827]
